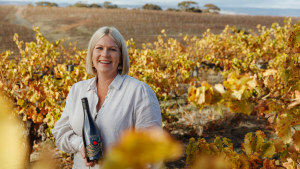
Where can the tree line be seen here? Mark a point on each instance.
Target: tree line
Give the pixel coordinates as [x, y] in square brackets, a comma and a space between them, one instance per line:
[187, 6]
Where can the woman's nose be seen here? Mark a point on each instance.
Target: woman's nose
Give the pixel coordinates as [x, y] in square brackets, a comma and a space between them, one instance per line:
[105, 52]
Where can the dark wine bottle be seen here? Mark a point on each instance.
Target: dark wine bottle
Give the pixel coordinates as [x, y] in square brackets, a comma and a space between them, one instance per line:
[91, 135]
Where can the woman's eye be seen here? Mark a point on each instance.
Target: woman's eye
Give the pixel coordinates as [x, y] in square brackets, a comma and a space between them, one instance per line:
[100, 48]
[113, 49]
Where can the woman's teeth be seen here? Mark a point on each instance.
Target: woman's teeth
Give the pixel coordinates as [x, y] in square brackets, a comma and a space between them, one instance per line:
[105, 62]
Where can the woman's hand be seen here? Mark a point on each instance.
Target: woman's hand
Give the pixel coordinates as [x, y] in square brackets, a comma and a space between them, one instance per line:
[83, 154]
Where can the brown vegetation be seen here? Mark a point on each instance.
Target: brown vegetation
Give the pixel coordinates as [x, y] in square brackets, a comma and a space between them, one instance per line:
[141, 25]
[9, 26]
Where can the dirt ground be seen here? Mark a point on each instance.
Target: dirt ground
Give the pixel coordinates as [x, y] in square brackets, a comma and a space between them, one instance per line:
[233, 126]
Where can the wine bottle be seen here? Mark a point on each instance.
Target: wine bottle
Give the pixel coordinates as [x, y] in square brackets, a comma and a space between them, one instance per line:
[91, 135]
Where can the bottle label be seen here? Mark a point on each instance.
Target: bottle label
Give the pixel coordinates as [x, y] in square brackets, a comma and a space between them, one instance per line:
[93, 149]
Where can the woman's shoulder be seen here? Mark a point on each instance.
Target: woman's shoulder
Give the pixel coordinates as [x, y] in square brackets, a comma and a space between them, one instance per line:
[137, 84]
[83, 84]
[133, 82]
[141, 90]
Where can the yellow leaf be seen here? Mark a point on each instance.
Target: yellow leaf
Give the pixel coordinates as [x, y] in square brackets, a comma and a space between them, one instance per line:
[201, 99]
[218, 109]
[191, 93]
[219, 88]
[20, 102]
[260, 137]
[252, 83]
[137, 149]
[12, 143]
[238, 106]
[290, 164]
[247, 144]
[237, 94]
[283, 128]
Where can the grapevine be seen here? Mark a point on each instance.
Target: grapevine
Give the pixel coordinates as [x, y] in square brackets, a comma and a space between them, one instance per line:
[261, 72]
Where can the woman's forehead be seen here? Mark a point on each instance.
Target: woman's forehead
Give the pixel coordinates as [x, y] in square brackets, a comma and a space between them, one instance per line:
[107, 41]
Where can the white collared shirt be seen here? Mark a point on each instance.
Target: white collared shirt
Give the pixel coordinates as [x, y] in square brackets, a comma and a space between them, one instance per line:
[129, 103]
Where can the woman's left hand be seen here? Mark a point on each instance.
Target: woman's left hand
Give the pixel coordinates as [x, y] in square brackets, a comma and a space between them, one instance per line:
[83, 154]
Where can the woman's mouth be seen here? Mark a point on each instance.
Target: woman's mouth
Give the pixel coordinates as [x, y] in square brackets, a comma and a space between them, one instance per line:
[105, 62]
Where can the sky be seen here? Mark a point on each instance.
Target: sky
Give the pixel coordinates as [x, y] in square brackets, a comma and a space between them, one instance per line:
[294, 4]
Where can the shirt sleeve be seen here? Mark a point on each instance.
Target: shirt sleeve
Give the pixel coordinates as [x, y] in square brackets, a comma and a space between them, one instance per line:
[148, 112]
[65, 138]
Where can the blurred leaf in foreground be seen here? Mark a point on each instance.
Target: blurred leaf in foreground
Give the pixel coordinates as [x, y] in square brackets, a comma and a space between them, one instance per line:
[209, 162]
[12, 143]
[138, 149]
[46, 158]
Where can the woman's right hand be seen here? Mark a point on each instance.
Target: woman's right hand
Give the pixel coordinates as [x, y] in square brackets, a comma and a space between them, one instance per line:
[83, 154]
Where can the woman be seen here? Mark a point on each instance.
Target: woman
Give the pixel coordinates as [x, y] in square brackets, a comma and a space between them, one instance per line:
[117, 101]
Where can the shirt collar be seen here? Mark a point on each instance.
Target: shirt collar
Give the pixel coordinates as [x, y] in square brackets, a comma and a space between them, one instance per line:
[116, 83]
[92, 85]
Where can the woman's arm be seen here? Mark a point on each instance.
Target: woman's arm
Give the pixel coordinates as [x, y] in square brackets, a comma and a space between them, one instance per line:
[65, 138]
[147, 112]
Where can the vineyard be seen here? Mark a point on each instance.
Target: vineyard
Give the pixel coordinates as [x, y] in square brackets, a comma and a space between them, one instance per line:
[78, 24]
[258, 71]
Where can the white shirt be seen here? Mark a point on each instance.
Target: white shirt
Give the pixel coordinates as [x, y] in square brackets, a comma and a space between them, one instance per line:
[129, 103]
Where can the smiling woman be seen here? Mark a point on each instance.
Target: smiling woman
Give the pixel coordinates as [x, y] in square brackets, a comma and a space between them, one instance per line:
[117, 101]
[106, 57]
[113, 42]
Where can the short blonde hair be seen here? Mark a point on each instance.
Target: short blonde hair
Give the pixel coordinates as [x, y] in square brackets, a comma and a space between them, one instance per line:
[119, 40]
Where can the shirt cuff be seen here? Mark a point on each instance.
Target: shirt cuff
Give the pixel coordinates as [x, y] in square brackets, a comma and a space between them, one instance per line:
[76, 142]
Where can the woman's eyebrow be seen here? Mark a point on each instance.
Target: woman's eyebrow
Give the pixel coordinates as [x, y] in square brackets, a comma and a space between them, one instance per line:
[100, 45]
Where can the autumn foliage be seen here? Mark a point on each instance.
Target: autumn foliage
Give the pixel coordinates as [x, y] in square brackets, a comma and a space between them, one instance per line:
[261, 72]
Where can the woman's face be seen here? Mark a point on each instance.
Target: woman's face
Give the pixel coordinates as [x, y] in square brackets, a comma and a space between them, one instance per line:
[106, 56]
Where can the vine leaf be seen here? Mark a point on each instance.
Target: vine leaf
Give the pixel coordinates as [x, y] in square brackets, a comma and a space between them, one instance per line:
[268, 150]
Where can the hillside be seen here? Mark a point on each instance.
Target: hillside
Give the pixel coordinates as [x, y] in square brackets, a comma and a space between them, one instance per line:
[143, 26]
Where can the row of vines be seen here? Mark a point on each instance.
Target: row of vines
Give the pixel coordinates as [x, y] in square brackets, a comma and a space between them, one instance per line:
[260, 68]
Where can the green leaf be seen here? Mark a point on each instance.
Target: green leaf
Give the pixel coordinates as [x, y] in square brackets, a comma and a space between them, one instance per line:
[218, 109]
[227, 142]
[247, 148]
[268, 150]
[218, 143]
[260, 139]
[20, 102]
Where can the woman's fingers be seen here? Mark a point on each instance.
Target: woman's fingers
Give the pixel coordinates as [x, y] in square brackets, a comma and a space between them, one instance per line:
[92, 163]
[82, 151]
[83, 154]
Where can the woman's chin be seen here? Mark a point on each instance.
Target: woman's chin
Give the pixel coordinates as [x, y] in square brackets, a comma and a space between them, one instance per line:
[107, 72]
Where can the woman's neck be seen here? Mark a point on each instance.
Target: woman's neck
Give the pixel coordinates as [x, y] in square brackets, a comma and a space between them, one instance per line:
[104, 81]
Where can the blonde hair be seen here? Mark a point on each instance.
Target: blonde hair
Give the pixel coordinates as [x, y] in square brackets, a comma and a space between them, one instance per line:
[119, 40]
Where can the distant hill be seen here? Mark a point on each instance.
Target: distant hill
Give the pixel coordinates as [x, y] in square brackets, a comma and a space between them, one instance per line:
[143, 26]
